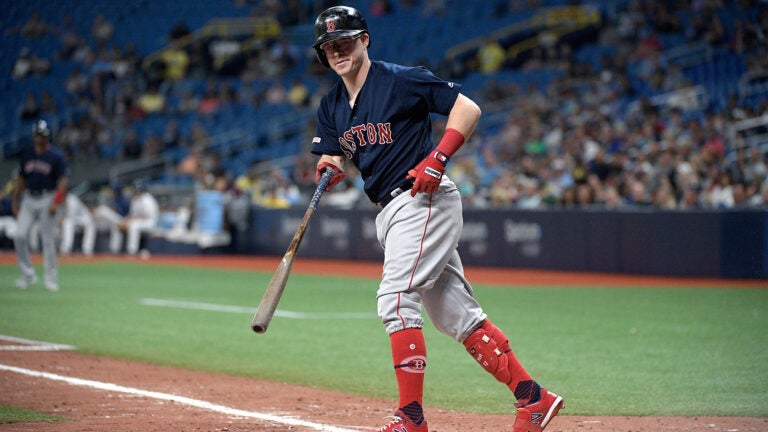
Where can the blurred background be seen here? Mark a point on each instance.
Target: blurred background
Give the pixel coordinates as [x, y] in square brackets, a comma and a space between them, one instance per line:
[595, 104]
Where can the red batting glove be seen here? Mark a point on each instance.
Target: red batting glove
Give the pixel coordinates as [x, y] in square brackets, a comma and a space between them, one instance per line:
[335, 179]
[427, 173]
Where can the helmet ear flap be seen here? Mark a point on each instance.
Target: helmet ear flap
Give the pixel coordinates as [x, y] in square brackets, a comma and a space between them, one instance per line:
[321, 56]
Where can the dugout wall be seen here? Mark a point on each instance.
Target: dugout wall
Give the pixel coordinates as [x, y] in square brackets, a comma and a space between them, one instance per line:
[723, 244]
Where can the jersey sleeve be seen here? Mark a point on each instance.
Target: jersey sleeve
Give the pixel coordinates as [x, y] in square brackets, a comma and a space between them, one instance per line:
[420, 84]
[325, 140]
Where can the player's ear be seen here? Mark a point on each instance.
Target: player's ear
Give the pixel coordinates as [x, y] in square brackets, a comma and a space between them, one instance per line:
[366, 39]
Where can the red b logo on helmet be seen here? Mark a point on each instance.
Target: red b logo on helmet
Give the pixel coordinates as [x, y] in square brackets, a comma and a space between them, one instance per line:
[330, 25]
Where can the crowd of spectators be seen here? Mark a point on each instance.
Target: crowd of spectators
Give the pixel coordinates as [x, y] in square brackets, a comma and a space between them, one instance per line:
[578, 143]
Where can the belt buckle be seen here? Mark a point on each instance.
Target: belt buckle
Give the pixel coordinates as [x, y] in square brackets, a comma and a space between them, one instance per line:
[394, 194]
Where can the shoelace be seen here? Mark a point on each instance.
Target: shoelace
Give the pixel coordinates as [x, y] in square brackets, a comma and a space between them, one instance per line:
[394, 420]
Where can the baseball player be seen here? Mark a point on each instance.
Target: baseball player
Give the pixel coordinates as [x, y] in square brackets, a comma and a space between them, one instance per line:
[378, 117]
[143, 214]
[77, 215]
[142, 217]
[40, 190]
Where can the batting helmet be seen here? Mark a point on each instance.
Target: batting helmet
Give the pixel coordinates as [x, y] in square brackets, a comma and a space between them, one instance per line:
[336, 23]
[41, 128]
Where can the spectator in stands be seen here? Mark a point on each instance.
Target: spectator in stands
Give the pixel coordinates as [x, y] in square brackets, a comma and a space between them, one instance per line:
[585, 195]
[48, 105]
[192, 165]
[276, 93]
[209, 103]
[664, 196]
[429, 8]
[270, 197]
[179, 31]
[650, 44]
[637, 193]
[28, 64]
[611, 198]
[30, 109]
[491, 56]
[503, 191]
[719, 195]
[664, 21]
[757, 166]
[298, 93]
[83, 53]
[188, 104]
[200, 60]
[130, 145]
[152, 148]
[76, 85]
[68, 38]
[530, 194]
[176, 61]
[67, 138]
[101, 67]
[200, 138]
[691, 199]
[171, 138]
[102, 29]
[34, 28]
[152, 101]
[380, 8]
[284, 53]
[760, 199]
[739, 193]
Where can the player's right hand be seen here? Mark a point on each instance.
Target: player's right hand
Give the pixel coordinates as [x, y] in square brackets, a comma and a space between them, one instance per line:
[335, 179]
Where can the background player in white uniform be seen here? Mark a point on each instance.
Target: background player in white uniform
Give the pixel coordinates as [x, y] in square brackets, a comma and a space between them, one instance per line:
[142, 217]
[143, 214]
[40, 190]
[378, 117]
[77, 215]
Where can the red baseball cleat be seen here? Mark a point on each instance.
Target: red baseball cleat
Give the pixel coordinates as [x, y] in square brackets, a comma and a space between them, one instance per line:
[534, 417]
[401, 423]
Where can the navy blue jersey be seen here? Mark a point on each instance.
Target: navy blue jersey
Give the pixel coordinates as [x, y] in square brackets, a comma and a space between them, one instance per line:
[41, 172]
[389, 130]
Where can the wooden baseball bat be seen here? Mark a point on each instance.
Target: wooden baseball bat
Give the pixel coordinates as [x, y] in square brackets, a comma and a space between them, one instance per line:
[268, 304]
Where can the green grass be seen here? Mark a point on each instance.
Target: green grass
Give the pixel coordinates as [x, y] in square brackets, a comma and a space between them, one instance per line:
[9, 414]
[608, 351]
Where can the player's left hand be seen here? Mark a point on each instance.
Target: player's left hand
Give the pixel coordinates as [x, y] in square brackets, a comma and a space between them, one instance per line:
[427, 173]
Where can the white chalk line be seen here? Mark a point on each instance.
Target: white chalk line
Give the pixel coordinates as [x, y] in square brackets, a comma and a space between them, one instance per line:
[239, 309]
[32, 345]
[177, 399]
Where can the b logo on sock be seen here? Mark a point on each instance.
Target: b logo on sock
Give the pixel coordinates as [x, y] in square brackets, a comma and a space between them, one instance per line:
[414, 364]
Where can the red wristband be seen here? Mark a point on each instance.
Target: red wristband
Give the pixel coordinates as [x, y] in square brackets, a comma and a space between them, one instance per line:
[59, 197]
[451, 141]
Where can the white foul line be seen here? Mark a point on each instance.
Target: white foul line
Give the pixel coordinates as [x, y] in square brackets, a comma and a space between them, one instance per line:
[239, 309]
[31, 345]
[173, 398]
